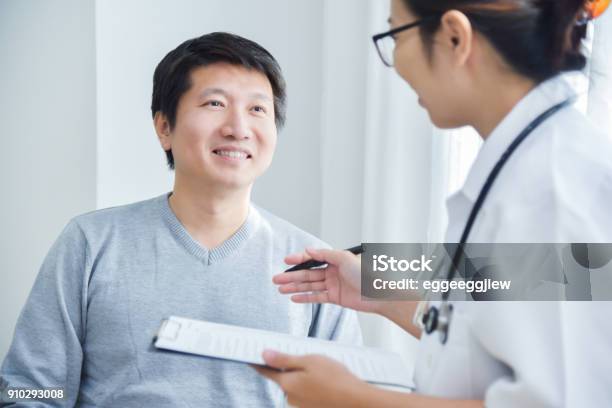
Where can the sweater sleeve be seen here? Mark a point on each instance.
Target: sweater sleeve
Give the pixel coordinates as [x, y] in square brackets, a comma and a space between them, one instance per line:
[46, 350]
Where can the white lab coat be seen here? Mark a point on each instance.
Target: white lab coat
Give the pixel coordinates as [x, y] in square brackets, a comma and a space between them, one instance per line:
[557, 187]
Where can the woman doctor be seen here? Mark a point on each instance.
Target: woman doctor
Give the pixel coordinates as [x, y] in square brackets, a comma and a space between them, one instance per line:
[493, 65]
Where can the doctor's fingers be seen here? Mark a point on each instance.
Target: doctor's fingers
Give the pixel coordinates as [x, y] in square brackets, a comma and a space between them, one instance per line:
[297, 258]
[331, 256]
[284, 361]
[296, 287]
[305, 275]
[278, 376]
[314, 297]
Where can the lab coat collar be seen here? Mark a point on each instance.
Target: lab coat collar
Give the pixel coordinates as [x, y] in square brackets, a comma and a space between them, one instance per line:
[537, 101]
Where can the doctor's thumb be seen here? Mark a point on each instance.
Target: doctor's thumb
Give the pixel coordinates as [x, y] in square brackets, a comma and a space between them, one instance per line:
[330, 256]
[281, 361]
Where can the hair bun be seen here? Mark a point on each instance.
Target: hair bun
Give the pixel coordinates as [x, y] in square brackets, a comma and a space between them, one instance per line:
[567, 32]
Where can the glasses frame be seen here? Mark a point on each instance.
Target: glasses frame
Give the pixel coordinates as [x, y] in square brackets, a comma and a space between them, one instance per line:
[376, 38]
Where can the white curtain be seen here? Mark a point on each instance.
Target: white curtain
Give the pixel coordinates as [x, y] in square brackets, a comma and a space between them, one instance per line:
[386, 170]
[376, 148]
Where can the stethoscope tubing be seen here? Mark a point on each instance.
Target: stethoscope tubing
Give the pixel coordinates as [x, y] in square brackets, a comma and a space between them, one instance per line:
[439, 320]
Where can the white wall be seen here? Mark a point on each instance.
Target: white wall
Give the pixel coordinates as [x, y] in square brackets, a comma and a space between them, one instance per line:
[47, 117]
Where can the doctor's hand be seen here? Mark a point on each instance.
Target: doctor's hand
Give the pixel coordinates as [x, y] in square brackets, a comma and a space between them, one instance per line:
[314, 381]
[338, 283]
[318, 382]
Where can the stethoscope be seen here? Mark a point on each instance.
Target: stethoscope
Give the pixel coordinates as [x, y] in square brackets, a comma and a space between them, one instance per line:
[432, 318]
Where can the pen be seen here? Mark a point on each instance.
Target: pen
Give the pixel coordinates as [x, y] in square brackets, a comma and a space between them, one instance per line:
[313, 264]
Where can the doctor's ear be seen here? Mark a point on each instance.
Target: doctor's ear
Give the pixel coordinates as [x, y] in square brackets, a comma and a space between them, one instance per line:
[162, 128]
[456, 32]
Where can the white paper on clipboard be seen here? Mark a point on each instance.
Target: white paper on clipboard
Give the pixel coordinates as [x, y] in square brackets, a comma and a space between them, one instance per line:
[246, 345]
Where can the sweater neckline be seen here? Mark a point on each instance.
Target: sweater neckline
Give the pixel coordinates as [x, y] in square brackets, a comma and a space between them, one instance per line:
[206, 255]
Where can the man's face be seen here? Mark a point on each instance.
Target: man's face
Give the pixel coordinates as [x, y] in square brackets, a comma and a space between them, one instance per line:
[225, 134]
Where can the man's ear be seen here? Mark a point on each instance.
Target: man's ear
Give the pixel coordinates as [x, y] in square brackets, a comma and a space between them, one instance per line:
[162, 128]
[457, 32]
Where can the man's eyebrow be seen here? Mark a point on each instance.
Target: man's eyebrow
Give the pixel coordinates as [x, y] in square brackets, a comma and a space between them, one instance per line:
[219, 91]
[260, 95]
[212, 91]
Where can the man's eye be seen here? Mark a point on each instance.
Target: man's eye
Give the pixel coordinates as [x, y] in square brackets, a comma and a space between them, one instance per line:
[259, 109]
[214, 104]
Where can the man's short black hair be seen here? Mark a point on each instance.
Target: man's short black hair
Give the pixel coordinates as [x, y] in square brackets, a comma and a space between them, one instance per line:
[172, 76]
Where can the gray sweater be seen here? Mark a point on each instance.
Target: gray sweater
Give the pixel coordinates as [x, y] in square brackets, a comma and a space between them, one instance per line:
[114, 274]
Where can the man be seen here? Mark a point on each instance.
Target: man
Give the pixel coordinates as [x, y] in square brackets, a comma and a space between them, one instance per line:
[203, 252]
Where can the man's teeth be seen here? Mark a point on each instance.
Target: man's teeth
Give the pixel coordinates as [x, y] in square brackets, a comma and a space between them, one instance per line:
[232, 154]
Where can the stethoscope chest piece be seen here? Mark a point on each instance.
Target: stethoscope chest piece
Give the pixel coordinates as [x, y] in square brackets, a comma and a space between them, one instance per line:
[438, 320]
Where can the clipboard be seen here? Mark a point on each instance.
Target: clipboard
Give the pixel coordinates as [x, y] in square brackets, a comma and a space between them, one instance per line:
[241, 344]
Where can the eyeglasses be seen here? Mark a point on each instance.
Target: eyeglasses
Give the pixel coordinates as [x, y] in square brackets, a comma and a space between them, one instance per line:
[385, 42]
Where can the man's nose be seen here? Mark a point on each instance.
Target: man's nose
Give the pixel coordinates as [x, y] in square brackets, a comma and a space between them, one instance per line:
[237, 126]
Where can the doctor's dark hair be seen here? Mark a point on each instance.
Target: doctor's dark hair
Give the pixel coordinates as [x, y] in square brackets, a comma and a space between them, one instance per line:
[172, 77]
[537, 38]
